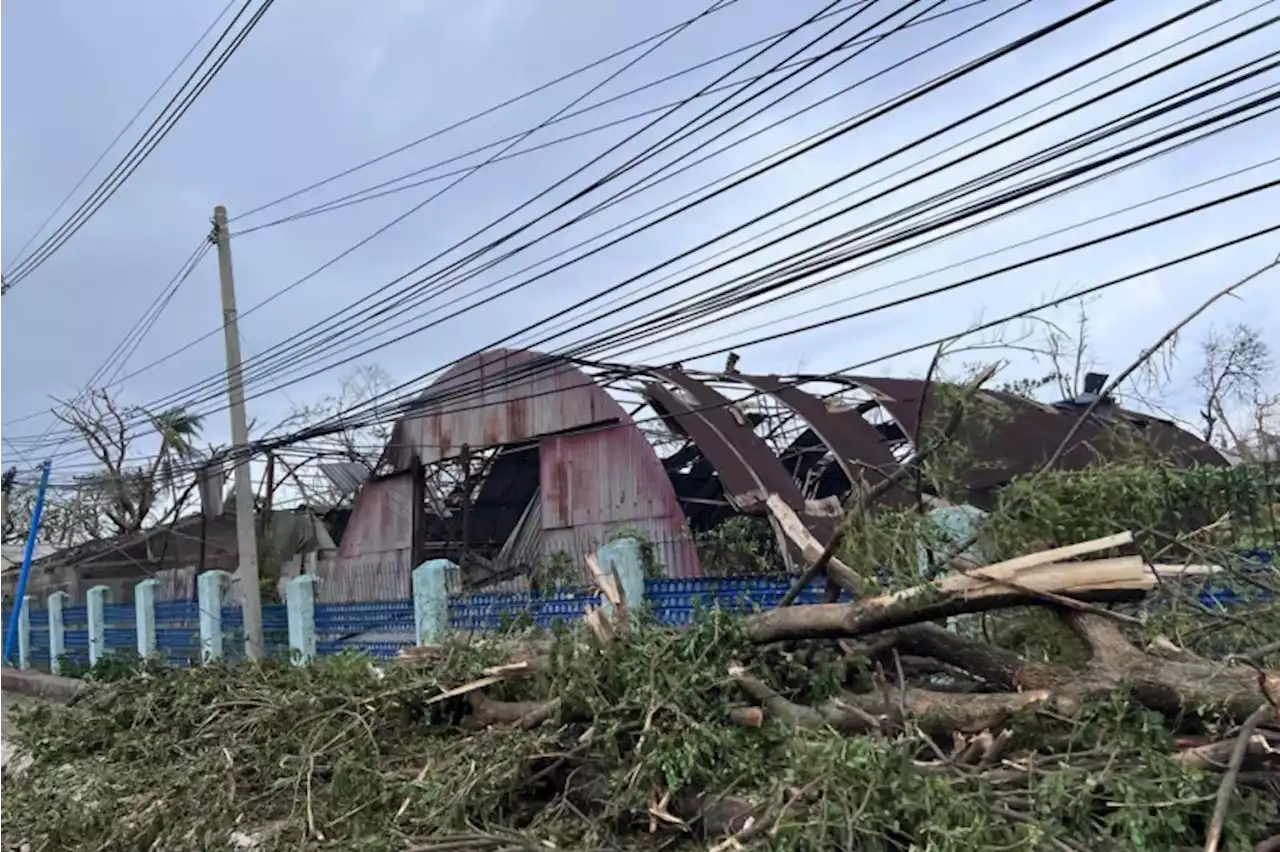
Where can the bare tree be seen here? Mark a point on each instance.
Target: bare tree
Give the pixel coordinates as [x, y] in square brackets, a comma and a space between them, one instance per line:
[1236, 366]
[361, 444]
[132, 489]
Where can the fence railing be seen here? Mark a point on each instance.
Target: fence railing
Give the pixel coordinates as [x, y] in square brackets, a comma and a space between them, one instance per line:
[190, 632]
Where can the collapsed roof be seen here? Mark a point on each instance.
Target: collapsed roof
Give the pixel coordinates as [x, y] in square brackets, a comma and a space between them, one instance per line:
[514, 457]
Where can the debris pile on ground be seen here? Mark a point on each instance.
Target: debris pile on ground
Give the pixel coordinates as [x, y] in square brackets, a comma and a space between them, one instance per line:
[861, 726]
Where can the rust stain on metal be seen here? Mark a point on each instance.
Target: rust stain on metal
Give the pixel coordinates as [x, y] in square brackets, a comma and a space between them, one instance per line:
[503, 396]
[597, 474]
[859, 449]
[1021, 436]
[381, 519]
[748, 468]
[596, 469]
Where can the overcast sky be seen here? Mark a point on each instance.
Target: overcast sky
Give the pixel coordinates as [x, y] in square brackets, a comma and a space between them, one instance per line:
[321, 86]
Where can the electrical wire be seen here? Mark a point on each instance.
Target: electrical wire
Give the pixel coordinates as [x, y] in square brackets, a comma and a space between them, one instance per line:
[673, 355]
[510, 101]
[132, 121]
[141, 149]
[436, 399]
[302, 335]
[118, 358]
[827, 261]
[355, 197]
[412, 400]
[1005, 100]
[317, 432]
[403, 216]
[605, 307]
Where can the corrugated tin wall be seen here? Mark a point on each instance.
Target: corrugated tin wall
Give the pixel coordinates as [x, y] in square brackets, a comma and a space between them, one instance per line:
[373, 559]
[598, 485]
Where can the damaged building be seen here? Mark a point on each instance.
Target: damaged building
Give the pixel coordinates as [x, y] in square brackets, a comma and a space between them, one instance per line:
[514, 460]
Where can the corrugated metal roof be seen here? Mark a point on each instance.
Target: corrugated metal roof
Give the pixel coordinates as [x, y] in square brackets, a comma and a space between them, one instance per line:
[347, 477]
[598, 475]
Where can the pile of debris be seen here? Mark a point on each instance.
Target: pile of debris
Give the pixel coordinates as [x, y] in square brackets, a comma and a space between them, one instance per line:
[860, 726]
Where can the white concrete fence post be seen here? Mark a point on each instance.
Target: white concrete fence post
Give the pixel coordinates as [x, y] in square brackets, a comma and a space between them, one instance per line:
[210, 587]
[622, 556]
[57, 630]
[144, 610]
[95, 603]
[24, 633]
[300, 604]
[431, 601]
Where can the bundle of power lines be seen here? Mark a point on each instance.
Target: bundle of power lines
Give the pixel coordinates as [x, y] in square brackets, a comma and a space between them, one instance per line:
[1231, 60]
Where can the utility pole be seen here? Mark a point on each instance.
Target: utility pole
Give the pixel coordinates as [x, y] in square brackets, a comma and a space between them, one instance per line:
[246, 538]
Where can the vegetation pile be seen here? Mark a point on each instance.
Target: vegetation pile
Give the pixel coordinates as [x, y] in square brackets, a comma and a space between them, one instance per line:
[845, 726]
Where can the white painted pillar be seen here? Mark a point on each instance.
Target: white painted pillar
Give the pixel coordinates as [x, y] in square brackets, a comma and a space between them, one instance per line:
[300, 602]
[622, 556]
[57, 630]
[431, 601]
[144, 609]
[96, 602]
[209, 593]
[24, 633]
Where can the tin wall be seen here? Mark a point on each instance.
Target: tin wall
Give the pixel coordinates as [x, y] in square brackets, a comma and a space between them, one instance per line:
[373, 559]
[598, 484]
[504, 396]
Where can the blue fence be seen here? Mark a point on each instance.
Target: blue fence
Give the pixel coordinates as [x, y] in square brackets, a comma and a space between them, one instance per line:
[381, 629]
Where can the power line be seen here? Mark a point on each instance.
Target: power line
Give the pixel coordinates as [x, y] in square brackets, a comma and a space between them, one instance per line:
[387, 187]
[105, 151]
[324, 430]
[216, 379]
[124, 350]
[672, 355]
[140, 150]
[877, 113]
[576, 355]
[490, 110]
[665, 36]
[904, 169]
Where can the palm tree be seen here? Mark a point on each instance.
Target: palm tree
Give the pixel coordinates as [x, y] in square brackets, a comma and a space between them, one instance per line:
[178, 430]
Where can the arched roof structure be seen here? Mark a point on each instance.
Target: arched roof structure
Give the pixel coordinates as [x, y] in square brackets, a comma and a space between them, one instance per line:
[574, 468]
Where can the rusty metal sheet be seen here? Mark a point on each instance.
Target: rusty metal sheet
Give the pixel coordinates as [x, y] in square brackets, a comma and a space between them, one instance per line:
[1014, 442]
[748, 469]
[381, 518]
[674, 552]
[503, 396]
[859, 448]
[1023, 439]
[385, 576]
[611, 479]
[597, 478]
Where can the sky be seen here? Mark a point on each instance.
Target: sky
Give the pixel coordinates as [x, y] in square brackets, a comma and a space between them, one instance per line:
[322, 86]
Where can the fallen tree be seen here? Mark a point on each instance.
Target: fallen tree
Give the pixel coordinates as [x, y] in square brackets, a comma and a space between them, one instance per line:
[859, 726]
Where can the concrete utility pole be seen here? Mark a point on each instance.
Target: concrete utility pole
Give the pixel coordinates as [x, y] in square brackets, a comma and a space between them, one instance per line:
[246, 538]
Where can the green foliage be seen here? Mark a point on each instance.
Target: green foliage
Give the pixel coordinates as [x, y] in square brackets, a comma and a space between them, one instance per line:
[740, 546]
[1156, 503]
[114, 666]
[341, 755]
[650, 564]
[557, 569]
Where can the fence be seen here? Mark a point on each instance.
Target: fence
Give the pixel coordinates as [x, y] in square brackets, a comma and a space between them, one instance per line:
[59, 638]
[63, 638]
